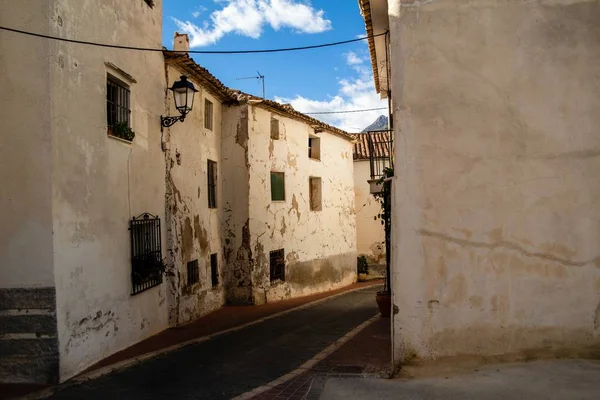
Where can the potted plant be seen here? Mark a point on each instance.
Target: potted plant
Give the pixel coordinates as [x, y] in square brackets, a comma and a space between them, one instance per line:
[122, 131]
[362, 268]
[384, 297]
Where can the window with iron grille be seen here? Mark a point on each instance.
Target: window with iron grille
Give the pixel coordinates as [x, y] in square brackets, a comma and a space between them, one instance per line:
[208, 114]
[277, 265]
[192, 272]
[147, 266]
[214, 270]
[117, 103]
[211, 172]
[277, 186]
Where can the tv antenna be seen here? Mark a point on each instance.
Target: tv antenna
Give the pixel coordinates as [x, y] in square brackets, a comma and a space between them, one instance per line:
[260, 76]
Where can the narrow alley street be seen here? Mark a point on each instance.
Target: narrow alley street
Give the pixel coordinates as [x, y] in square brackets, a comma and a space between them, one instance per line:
[237, 362]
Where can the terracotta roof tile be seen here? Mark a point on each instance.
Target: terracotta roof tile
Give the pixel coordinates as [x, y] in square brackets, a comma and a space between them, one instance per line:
[381, 145]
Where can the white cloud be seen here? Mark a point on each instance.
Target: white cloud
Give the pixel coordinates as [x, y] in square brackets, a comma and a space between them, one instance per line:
[196, 13]
[353, 59]
[354, 93]
[248, 17]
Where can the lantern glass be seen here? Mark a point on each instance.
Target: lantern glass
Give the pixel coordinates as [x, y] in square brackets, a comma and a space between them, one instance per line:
[183, 94]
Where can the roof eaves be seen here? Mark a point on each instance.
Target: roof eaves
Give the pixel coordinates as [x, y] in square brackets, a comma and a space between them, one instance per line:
[289, 110]
[184, 62]
[365, 11]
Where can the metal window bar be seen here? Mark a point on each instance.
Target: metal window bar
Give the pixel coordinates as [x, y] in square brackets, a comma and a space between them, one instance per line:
[380, 146]
[277, 264]
[214, 270]
[146, 253]
[212, 184]
[208, 114]
[193, 275]
[117, 103]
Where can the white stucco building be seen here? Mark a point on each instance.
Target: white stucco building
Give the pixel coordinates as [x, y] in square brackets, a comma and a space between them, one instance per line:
[496, 208]
[114, 227]
[370, 232]
[70, 187]
[289, 203]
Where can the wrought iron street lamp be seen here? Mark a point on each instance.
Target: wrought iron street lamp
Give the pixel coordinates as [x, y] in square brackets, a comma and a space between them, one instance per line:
[183, 94]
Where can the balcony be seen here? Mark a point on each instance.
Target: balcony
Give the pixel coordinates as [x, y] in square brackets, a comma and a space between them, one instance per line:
[378, 148]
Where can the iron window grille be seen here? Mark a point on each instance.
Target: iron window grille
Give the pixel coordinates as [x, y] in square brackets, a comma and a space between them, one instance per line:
[214, 270]
[192, 273]
[274, 128]
[147, 266]
[212, 184]
[117, 103]
[277, 265]
[208, 114]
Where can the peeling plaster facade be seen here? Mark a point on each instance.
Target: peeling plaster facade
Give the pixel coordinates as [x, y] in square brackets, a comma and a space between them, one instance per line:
[65, 242]
[370, 234]
[320, 246]
[496, 202]
[194, 229]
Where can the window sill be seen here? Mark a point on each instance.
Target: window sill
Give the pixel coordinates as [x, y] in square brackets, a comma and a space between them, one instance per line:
[314, 159]
[119, 139]
[278, 201]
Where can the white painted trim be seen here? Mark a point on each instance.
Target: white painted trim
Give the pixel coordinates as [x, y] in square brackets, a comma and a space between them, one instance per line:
[310, 363]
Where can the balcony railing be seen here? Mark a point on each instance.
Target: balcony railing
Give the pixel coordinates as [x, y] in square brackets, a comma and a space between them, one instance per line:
[378, 148]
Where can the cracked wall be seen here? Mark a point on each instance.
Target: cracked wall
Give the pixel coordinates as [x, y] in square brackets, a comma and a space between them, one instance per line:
[496, 205]
[320, 246]
[194, 229]
[237, 249]
[98, 182]
[370, 234]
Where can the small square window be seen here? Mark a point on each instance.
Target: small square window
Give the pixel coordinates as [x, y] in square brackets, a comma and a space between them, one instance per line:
[315, 194]
[211, 173]
[192, 273]
[277, 186]
[214, 270]
[274, 128]
[208, 114]
[277, 265]
[314, 148]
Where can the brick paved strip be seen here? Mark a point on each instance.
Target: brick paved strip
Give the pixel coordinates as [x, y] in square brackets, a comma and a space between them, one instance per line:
[236, 362]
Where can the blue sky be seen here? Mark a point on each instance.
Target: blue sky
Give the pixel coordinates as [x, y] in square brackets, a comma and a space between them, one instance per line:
[329, 79]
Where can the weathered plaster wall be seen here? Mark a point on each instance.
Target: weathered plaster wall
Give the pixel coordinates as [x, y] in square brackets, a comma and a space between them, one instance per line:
[100, 183]
[370, 235]
[497, 219]
[194, 229]
[25, 149]
[237, 251]
[320, 246]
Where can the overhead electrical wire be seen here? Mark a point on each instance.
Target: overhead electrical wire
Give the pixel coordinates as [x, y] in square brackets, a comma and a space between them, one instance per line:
[114, 46]
[345, 112]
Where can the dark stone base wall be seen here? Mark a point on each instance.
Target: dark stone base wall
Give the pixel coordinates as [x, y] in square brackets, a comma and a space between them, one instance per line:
[28, 336]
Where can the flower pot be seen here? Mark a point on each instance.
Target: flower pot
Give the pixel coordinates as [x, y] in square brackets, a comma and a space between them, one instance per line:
[384, 301]
[362, 277]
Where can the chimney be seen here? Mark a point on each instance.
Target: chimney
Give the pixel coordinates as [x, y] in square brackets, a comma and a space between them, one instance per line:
[181, 42]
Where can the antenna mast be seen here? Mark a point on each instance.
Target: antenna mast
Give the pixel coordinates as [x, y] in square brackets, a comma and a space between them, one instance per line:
[260, 76]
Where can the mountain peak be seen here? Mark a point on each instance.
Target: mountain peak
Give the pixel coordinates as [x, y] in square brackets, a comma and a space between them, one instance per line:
[380, 124]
